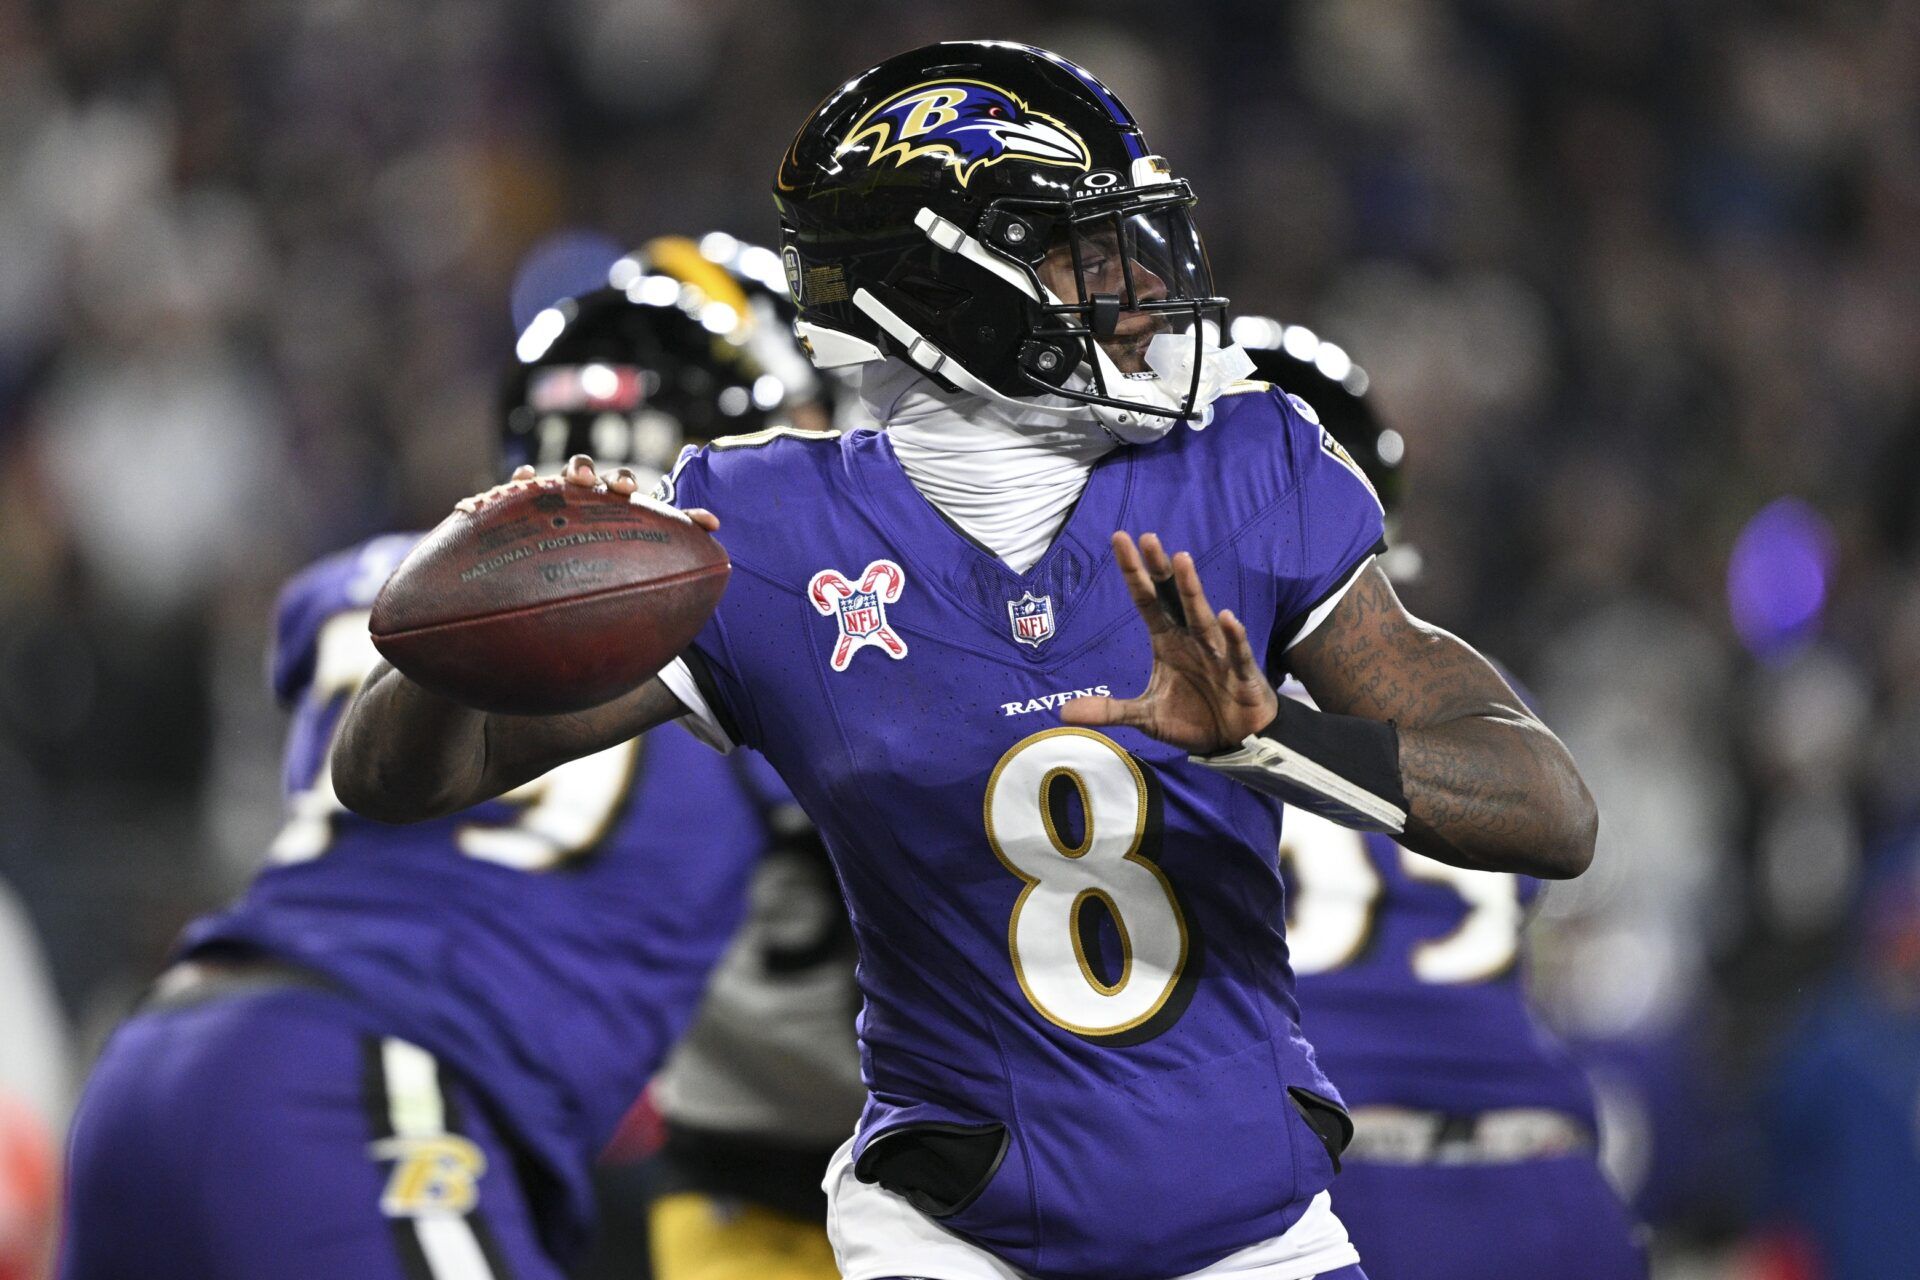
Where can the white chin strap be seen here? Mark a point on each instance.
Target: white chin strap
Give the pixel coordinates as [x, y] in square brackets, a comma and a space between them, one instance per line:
[1170, 356]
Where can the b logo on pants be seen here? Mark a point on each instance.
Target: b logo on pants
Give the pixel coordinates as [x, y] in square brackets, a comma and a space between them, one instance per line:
[433, 1175]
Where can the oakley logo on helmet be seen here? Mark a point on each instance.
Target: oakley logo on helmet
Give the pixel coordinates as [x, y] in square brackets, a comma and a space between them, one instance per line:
[968, 124]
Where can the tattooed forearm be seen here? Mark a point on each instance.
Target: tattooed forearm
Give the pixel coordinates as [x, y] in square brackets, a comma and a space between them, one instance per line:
[405, 754]
[1498, 794]
[1489, 786]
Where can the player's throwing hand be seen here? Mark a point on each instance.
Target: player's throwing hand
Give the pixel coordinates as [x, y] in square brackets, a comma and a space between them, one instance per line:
[580, 471]
[1207, 691]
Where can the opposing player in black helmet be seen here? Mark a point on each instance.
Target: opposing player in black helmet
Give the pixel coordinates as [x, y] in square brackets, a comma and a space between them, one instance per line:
[682, 345]
[1081, 1045]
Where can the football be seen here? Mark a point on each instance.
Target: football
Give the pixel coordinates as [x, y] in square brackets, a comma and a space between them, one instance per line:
[540, 597]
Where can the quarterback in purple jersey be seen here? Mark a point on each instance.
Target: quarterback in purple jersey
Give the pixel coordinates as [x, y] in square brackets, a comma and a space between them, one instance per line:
[398, 1053]
[1473, 1155]
[1079, 1033]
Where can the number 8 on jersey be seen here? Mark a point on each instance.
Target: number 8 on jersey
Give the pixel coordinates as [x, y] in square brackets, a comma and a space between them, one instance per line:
[1027, 807]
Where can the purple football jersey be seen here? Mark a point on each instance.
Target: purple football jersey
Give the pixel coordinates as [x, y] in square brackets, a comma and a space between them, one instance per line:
[550, 945]
[1410, 974]
[1076, 935]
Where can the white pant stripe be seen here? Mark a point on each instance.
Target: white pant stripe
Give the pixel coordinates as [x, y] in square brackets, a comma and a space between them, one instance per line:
[453, 1252]
[413, 1090]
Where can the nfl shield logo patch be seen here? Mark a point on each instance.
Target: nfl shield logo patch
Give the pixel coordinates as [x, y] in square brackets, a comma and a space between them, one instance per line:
[1032, 618]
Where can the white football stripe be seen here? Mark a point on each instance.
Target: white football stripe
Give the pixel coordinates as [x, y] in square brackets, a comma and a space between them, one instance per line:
[413, 1090]
[453, 1251]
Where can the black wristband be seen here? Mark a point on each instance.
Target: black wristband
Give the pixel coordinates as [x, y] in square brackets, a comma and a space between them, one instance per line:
[1344, 768]
[1365, 752]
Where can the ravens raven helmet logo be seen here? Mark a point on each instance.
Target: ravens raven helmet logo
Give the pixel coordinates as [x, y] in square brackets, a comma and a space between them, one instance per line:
[968, 125]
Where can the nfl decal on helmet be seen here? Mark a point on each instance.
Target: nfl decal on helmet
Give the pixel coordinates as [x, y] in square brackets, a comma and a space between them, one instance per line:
[861, 608]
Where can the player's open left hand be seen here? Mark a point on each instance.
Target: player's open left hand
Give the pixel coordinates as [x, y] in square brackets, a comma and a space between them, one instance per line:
[1207, 691]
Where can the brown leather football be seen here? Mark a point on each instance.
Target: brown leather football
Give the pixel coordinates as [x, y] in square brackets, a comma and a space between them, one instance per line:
[540, 597]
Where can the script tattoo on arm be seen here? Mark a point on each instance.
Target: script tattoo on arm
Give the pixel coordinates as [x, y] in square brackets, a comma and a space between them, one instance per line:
[1489, 786]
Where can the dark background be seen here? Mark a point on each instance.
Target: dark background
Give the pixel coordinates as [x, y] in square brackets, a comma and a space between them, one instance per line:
[1636, 280]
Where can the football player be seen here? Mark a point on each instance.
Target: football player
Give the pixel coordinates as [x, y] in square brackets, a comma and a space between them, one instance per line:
[1079, 1032]
[397, 1055]
[1473, 1155]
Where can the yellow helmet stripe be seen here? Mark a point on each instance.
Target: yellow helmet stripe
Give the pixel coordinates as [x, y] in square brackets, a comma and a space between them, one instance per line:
[681, 258]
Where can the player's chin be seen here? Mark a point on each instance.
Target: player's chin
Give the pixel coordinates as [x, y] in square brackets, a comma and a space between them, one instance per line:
[1128, 346]
[1129, 355]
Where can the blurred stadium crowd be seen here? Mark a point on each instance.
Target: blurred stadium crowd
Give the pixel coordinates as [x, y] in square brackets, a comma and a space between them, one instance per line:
[1637, 282]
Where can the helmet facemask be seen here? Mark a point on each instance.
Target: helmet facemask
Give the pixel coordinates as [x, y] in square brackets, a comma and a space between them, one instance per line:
[1128, 293]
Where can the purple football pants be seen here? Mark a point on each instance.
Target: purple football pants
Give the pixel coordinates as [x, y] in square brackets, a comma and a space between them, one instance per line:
[276, 1135]
[1528, 1220]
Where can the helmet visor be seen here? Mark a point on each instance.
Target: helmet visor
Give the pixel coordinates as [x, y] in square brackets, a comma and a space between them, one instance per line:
[1124, 274]
[1145, 258]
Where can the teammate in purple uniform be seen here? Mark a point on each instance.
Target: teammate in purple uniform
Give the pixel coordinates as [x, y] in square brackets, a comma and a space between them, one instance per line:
[399, 1052]
[1079, 1034]
[1473, 1154]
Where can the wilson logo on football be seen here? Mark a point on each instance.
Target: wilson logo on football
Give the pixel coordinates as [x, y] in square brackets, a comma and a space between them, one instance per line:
[968, 124]
[861, 608]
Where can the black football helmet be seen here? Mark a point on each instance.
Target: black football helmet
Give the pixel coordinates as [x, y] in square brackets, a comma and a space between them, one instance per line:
[1323, 376]
[928, 202]
[687, 341]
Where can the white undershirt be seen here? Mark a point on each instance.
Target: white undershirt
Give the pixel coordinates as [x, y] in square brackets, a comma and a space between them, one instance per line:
[1008, 480]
